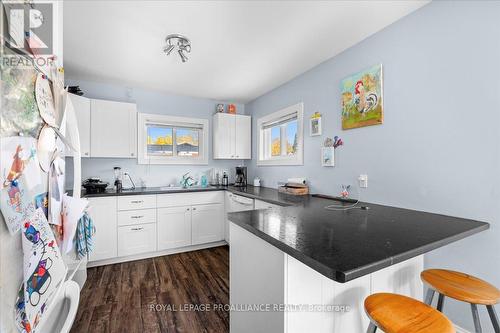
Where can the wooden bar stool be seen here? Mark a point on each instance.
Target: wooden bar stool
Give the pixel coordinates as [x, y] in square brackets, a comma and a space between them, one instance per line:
[465, 288]
[400, 314]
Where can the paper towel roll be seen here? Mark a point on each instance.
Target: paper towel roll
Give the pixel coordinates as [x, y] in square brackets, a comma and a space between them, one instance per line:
[297, 180]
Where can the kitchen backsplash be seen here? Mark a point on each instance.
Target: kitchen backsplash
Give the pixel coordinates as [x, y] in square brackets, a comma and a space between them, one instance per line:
[151, 175]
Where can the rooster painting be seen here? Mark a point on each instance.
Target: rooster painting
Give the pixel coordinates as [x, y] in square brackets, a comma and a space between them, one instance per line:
[362, 98]
[364, 101]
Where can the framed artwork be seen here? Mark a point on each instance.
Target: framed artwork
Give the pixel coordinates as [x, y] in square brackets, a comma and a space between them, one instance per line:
[327, 156]
[315, 124]
[362, 102]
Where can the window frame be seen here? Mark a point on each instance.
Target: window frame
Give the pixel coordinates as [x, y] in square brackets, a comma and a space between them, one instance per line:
[171, 121]
[263, 138]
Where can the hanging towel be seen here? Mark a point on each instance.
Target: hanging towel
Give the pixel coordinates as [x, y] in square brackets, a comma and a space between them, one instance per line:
[84, 233]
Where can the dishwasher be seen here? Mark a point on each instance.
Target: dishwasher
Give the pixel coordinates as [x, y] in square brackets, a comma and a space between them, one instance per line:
[236, 203]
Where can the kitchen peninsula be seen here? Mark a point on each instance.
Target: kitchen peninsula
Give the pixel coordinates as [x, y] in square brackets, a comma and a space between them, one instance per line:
[332, 259]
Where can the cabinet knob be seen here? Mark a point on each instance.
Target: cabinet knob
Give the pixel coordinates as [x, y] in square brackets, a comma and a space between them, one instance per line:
[86, 154]
[131, 154]
[194, 208]
[187, 209]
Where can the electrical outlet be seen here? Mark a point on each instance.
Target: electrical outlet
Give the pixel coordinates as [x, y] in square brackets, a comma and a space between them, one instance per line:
[363, 181]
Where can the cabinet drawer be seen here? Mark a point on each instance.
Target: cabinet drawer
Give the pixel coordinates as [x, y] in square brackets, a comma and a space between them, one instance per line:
[136, 239]
[131, 202]
[132, 217]
[181, 199]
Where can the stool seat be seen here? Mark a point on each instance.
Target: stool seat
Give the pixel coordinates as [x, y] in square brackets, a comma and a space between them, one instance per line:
[400, 314]
[460, 286]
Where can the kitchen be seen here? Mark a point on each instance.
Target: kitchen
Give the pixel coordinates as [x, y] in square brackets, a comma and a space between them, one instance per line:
[230, 191]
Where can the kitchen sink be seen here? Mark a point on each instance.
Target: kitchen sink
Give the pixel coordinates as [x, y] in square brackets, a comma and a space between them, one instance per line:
[177, 188]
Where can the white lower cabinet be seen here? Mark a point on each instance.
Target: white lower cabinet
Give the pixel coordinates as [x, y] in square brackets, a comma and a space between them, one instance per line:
[189, 225]
[136, 239]
[174, 227]
[207, 223]
[135, 224]
[103, 213]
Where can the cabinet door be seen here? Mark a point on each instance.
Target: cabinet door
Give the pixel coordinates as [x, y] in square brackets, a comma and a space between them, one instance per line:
[82, 112]
[224, 136]
[174, 227]
[135, 239]
[113, 129]
[207, 223]
[103, 213]
[243, 137]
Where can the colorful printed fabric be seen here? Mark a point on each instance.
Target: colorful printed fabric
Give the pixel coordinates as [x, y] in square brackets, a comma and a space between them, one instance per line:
[84, 233]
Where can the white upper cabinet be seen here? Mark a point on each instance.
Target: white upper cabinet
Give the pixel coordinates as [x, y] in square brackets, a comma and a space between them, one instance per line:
[243, 137]
[232, 136]
[113, 129]
[81, 106]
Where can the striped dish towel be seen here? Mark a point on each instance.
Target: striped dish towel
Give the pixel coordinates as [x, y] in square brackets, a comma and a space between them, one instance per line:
[84, 233]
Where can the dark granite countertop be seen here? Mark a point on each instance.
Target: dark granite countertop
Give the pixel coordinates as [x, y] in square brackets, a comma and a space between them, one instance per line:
[151, 190]
[346, 244]
[261, 193]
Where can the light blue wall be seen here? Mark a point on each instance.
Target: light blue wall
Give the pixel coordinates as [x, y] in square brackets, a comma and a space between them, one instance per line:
[149, 102]
[438, 149]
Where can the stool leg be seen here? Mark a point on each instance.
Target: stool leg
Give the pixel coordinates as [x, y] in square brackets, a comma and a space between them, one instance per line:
[429, 296]
[440, 303]
[494, 318]
[475, 317]
[371, 328]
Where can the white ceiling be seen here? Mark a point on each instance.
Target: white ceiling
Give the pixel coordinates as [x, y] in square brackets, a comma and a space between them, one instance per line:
[240, 49]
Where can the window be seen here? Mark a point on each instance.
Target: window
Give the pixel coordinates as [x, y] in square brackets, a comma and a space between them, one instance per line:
[172, 140]
[281, 137]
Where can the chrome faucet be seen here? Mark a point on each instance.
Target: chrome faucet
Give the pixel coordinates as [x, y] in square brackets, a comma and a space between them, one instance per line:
[126, 174]
[187, 180]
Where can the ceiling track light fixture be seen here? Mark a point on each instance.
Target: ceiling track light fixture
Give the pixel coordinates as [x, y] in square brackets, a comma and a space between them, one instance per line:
[182, 43]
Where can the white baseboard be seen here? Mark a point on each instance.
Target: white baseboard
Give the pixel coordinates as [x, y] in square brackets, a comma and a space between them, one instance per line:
[154, 254]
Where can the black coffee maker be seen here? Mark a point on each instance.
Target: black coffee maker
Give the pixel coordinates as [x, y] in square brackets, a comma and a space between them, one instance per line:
[241, 176]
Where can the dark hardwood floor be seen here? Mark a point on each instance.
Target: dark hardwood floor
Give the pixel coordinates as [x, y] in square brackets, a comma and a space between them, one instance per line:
[118, 298]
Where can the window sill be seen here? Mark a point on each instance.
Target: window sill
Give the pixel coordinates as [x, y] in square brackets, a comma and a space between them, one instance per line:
[282, 162]
[173, 161]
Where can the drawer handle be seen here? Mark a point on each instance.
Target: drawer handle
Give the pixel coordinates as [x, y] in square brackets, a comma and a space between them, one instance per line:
[137, 216]
[137, 229]
[136, 201]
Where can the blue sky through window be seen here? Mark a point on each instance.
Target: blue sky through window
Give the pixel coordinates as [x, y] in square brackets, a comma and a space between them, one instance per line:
[291, 130]
[155, 132]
